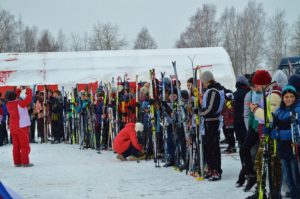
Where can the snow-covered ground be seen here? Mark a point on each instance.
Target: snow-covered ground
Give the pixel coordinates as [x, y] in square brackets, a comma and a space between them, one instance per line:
[64, 171]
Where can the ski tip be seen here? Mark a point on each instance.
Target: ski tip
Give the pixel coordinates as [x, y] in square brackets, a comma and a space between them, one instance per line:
[199, 178]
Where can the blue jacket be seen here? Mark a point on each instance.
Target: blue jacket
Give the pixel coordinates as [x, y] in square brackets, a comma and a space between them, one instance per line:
[282, 122]
[282, 130]
[5, 113]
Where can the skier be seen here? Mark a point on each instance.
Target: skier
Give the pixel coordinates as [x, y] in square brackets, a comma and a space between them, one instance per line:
[56, 117]
[3, 120]
[126, 143]
[242, 88]
[81, 109]
[212, 104]
[262, 81]
[1, 126]
[281, 126]
[249, 147]
[98, 109]
[39, 108]
[19, 125]
[228, 120]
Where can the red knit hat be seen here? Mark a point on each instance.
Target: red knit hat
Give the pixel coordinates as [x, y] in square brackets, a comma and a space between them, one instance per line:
[261, 77]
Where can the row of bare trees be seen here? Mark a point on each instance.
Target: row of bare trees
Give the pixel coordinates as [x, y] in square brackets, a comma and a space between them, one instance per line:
[251, 39]
[16, 37]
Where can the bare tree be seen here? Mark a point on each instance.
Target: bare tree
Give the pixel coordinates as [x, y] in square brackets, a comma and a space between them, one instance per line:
[46, 43]
[203, 29]
[7, 23]
[19, 45]
[251, 25]
[61, 41]
[230, 36]
[106, 37]
[144, 40]
[75, 42]
[30, 39]
[295, 41]
[277, 39]
[79, 42]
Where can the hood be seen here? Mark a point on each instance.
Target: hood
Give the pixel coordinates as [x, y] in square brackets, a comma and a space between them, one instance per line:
[280, 78]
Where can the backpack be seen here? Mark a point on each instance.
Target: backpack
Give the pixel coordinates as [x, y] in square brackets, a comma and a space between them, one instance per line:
[222, 99]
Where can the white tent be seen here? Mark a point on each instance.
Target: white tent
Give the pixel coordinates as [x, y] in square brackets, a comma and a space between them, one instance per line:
[69, 68]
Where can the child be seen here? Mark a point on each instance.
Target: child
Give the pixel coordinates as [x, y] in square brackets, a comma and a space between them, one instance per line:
[283, 134]
[228, 128]
[19, 126]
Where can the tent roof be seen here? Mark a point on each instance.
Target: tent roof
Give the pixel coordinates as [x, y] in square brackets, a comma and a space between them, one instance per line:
[72, 67]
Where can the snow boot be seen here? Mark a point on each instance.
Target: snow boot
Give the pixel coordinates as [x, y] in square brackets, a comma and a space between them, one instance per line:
[121, 157]
[132, 158]
[230, 150]
[18, 165]
[251, 181]
[28, 165]
[215, 176]
[208, 173]
[241, 179]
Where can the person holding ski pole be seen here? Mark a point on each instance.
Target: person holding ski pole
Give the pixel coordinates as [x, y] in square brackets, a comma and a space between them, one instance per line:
[265, 157]
[282, 126]
[212, 105]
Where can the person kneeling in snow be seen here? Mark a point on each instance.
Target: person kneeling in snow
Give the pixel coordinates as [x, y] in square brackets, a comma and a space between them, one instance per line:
[126, 143]
[19, 125]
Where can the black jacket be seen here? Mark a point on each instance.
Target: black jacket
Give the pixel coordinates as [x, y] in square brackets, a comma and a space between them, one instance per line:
[213, 100]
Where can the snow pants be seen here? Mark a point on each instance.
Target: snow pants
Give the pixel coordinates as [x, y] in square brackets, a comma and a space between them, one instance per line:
[21, 147]
[212, 146]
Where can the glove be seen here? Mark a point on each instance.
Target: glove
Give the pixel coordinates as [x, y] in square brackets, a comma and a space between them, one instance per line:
[265, 130]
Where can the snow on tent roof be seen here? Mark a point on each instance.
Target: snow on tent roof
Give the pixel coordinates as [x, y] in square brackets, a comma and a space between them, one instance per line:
[69, 68]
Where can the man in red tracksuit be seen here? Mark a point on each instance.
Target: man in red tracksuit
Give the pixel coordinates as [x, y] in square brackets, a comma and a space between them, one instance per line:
[126, 142]
[19, 125]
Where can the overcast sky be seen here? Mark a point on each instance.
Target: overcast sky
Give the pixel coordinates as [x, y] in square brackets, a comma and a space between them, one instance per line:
[165, 19]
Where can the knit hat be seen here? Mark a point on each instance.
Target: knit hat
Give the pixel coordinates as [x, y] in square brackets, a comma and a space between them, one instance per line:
[242, 80]
[139, 127]
[289, 89]
[206, 77]
[280, 78]
[185, 94]
[261, 77]
[10, 95]
[295, 81]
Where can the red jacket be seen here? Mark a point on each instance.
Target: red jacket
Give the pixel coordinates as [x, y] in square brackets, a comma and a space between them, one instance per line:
[126, 136]
[16, 117]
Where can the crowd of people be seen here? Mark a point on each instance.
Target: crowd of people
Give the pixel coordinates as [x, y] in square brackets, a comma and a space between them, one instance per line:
[175, 126]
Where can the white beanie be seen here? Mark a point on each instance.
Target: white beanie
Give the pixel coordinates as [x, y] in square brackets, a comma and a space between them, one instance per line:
[206, 77]
[139, 127]
[280, 78]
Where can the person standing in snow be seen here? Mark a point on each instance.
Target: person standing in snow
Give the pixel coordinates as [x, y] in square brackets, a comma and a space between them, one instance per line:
[262, 81]
[19, 125]
[39, 108]
[242, 88]
[126, 143]
[286, 149]
[212, 105]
